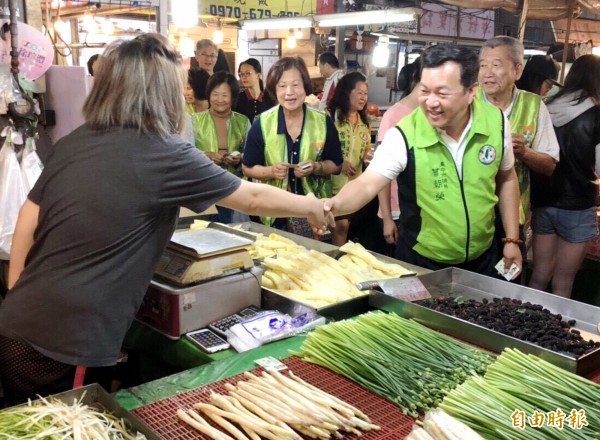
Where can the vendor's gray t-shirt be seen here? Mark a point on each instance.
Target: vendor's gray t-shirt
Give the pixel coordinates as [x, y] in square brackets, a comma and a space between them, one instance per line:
[108, 206]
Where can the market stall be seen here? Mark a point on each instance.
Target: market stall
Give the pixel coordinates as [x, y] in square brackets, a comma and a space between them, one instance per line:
[383, 359]
[156, 402]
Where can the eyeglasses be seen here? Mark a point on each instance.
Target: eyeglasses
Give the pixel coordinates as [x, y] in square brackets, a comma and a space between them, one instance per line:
[208, 55]
[246, 74]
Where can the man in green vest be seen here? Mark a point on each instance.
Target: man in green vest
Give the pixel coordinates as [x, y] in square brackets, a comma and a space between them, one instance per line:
[534, 142]
[453, 160]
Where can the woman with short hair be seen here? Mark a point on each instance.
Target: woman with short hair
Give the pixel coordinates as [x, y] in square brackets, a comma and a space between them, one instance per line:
[100, 216]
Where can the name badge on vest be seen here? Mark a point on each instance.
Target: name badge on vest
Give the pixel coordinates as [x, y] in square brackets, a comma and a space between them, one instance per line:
[487, 154]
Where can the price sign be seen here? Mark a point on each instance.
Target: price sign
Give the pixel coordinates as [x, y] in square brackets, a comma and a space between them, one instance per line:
[256, 9]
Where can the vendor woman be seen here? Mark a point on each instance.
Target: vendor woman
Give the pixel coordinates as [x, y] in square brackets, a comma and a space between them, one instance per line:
[98, 219]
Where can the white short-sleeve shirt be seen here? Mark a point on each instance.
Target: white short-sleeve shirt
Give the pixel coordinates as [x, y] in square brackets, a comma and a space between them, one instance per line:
[391, 156]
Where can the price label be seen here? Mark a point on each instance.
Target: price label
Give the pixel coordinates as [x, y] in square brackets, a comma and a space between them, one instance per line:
[256, 9]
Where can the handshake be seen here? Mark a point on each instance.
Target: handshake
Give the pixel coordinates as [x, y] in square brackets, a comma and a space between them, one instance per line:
[320, 213]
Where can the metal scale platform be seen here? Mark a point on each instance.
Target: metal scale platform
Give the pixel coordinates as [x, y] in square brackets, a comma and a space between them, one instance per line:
[202, 276]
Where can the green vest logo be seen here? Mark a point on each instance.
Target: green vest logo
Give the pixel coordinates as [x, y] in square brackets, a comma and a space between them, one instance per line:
[487, 154]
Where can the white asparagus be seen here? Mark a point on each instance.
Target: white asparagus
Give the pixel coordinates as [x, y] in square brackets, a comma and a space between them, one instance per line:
[252, 408]
[204, 429]
[251, 421]
[246, 405]
[309, 411]
[269, 408]
[306, 399]
[352, 408]
[216, 415]
[281, 406]
[317, 397]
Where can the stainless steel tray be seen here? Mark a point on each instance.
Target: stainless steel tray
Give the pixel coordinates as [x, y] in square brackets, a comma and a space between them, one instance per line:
[308, 243]
[455, 282]
[271, 300]
[96, 397]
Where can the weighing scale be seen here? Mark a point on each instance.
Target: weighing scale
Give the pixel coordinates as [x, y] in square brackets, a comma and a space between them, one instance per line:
[197, 255]
[202, 276]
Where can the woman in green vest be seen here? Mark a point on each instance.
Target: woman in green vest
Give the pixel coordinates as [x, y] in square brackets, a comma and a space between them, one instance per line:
[348, 109]
[221, 133]
[292, 146]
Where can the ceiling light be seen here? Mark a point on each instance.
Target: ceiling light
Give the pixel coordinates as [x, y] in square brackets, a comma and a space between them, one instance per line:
[366, 17]
[218, 34]
[381, 53]
[276, 23]
[184, 13]
[291, 40]
[298, 34]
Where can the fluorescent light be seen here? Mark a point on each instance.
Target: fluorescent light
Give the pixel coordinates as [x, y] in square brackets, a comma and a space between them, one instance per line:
[366, 17]
[276, 23]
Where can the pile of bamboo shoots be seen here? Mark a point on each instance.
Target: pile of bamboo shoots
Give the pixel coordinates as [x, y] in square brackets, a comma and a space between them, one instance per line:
[278, 407]
[312, 277]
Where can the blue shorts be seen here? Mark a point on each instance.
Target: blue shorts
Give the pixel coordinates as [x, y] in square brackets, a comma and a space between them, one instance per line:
[574, 226]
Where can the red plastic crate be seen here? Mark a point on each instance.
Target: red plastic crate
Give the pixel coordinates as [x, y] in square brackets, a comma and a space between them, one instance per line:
[161, 418]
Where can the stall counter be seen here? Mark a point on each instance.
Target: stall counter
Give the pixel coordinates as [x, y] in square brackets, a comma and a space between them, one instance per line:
[229, 364]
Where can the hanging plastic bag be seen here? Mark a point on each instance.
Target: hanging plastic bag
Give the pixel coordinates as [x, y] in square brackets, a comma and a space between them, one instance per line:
[31, 165]
[12, 194]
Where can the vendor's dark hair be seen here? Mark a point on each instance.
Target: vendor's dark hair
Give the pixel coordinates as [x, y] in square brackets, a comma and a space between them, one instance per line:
[467, 59]
[340, 102]
[223, 78]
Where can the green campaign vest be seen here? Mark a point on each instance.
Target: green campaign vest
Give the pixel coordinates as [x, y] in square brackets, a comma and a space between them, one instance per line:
[448, 219]
[312, 143]
[205, 134]
[523, 120]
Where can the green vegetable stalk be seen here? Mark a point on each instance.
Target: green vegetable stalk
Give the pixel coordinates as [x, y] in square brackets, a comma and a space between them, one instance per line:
[526, 383]
[399, 359]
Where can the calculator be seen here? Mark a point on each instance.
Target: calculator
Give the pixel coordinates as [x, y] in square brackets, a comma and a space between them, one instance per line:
[222, 325]
[250, 311]
[207, 340]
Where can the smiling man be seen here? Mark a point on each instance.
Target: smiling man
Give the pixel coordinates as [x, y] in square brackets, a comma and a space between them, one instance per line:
[534, 142]
[453, 160]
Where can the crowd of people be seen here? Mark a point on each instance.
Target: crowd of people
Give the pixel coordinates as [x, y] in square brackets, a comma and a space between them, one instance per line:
[521, 165]
[466, 161]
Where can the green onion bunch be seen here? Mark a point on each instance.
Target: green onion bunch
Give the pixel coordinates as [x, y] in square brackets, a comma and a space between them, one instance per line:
[516, 381]
[399, 359]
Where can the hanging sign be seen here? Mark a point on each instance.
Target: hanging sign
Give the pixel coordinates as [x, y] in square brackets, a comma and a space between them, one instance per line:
[35, 51]
[253, 9]
[441, 20]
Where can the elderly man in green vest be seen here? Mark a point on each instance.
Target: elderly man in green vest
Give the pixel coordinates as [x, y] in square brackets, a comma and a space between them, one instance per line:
[534, 142]
[453, 160]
